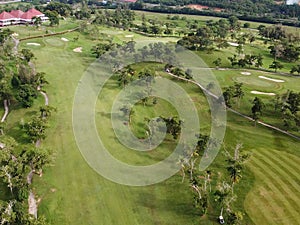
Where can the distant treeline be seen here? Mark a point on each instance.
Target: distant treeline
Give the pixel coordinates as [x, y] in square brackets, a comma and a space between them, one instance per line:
[224, 14]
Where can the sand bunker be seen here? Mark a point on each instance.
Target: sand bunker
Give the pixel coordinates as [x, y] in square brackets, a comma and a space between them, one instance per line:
[246, 73]
[129, 36]
[15, 35]
[262, 93]
[271, 79]
[34, 44]
[64, 39]
[233, 44]
[79, 49]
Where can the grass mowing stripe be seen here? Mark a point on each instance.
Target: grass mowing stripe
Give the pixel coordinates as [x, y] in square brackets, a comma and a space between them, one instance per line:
[284, 166]
[291, 160]
[286, 176]
[273, 202]
[280, 183]
[256, 205]
[279, 197]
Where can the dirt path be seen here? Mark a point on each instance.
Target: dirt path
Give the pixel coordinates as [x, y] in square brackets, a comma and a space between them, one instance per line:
[32, 204]
[236, 112]
[6, 110]
[46, 97]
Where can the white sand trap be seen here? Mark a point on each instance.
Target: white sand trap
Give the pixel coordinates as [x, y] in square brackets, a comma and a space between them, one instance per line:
[262, 93]
[246, 73]
[79, 49]
[233, 44]
[64, 39]
[129, 36]
[15, 34]
[34, 44]
[271, 79]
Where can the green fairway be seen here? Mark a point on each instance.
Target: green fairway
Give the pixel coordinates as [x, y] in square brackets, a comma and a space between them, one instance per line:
[275, 198]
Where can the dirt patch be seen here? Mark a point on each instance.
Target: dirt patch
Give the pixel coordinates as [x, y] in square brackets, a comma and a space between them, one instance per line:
[79, 49]
[32, 210]
[262, 93]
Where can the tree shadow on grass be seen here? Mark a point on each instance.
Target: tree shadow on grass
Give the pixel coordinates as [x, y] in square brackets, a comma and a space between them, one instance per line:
[177, 201]
[18, 133]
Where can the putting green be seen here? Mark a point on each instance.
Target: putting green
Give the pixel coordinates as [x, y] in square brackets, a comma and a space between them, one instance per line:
[255, 81]
[55, 42]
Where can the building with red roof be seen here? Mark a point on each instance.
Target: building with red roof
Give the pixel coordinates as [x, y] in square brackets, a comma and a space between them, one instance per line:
[19, 17]
[6, 19]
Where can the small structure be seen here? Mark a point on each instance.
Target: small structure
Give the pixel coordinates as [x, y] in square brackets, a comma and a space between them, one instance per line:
[19, 17]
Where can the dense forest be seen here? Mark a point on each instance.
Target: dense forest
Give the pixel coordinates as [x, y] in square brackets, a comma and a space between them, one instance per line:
[265, 10]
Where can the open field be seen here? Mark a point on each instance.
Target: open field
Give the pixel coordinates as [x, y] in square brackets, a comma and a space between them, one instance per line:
[73, 193]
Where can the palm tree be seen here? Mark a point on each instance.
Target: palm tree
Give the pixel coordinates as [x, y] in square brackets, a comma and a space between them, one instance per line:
[236, 164]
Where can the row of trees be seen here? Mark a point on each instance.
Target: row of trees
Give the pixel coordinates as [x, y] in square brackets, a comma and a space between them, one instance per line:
[19, 162]
[206, 195]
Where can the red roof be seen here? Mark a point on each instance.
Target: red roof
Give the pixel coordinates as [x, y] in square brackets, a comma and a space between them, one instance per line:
[27, 16]
[34, 12]
[5, 16]
[17, 13]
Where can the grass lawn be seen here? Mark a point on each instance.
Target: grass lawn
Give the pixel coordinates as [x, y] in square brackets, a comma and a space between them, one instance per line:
[73, 193]
[28, 31]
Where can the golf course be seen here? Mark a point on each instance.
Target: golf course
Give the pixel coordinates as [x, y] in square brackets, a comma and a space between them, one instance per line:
[70, 191]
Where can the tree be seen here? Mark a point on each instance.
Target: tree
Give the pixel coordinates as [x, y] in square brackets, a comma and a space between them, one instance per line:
[257, 108]
[100, 49]
[147, 76]
[5, 35]
[46, 111]
[234, 23]
[235, 164]
[238, 91]
[201, 143]
[173, 125]
[296, 69]
[276, 66]
[235, 218]
[228, 94]
[36, 129]
[37, 21]
[26, 94]
[40, 79]
[217, 62]
[53, 17]
[35, 158]
[259, 61]
[125, 75]
[27, 54]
